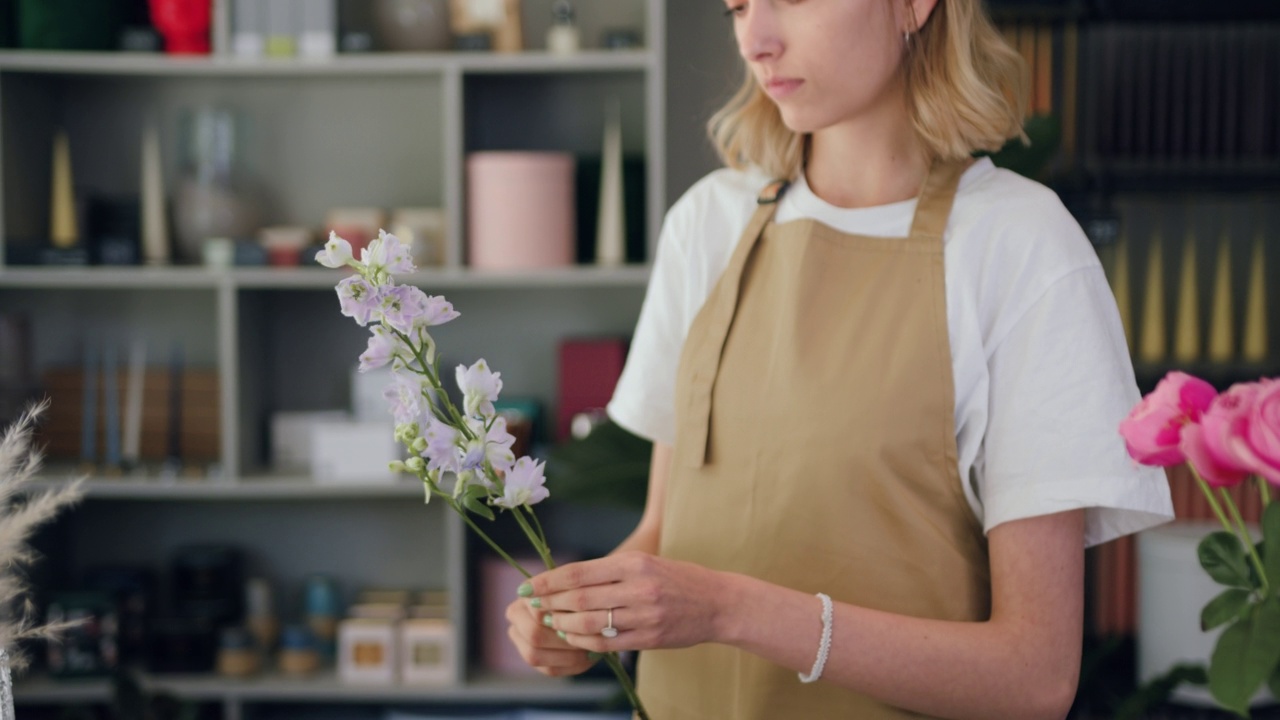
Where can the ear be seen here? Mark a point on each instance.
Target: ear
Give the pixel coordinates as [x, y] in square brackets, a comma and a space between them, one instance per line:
[922, 10]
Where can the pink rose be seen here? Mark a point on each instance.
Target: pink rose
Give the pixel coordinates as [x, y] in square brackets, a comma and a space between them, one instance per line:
[1213, 447]
[1153, 431]
[1258, 444]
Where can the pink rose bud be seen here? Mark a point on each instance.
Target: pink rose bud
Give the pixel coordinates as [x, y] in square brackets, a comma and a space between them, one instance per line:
[1258, 443]
[1213, 447]
[1152, 433]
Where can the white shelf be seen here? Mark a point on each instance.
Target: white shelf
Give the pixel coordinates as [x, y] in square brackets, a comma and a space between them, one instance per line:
[196, 278]
[324, 687]
[249, 488]
[108, 278]
[380, 64]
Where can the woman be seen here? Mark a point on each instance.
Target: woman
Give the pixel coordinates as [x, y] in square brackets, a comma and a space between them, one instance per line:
[884, 399]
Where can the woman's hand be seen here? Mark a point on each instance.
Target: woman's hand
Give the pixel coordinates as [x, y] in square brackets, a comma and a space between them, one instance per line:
[656, 602]
[540, 646]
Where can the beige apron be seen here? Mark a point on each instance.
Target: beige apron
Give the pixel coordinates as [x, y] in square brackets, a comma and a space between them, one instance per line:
[816, 450]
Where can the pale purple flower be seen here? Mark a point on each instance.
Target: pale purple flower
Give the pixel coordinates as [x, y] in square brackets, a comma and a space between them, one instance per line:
[480, 387]
[493, 445]
[399, 257]
[383, 347]
[405, 397]
[336, 252]
[358, 299]
[439, 311]
[524, 484]
[402, 306]
[442, 449]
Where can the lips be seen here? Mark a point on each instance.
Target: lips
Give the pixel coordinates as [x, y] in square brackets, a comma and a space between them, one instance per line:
[781, 87]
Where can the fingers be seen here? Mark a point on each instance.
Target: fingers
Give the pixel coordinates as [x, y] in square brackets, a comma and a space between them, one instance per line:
[540, 646]
[550, 661]
[578, 575]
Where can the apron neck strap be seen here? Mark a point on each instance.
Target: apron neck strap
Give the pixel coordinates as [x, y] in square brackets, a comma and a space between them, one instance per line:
[936, 197]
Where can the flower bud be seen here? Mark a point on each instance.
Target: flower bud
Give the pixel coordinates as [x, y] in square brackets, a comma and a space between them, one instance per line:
[415, 464]
[419, 445]
[396, 466]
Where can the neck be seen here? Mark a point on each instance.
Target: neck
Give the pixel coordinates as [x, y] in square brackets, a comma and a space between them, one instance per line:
[874, 159]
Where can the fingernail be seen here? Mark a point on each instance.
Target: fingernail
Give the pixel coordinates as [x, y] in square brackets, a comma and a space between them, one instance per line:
[525, 589]
[546, 620]
[535, 603]
[594, 656]
[560, 634]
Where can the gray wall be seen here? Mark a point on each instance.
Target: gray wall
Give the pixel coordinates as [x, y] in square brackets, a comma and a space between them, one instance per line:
[703, 71]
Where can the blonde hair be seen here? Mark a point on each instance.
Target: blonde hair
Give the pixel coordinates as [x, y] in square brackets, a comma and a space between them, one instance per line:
[966, 92]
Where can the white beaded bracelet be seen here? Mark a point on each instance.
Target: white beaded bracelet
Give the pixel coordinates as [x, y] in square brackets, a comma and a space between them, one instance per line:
[824, 648]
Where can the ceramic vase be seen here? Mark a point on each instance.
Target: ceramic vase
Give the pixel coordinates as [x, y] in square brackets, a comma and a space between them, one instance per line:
[412, 25]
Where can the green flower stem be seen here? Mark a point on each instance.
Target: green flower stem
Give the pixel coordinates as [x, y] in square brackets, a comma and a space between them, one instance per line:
[1248, 542]
[537, 525]
[1264, 488]
[628, 687]
[1213, 503]
[538, 544]
[483, 536]
[418, 354]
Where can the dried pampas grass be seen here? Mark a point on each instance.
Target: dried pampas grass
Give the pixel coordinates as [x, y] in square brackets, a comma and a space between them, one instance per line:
[21, 512]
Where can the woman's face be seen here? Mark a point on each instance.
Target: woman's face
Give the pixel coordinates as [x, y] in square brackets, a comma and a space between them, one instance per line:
[823, 62]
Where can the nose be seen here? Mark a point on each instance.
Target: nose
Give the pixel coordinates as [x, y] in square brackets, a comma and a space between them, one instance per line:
[759, 38]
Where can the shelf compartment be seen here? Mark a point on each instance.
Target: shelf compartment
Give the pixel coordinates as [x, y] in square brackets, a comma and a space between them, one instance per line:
[296, 156]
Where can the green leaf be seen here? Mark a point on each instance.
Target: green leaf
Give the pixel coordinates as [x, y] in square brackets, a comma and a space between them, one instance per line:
[1221, 610]
[1271, 544]
[1224, 558]
[1245, 657]
[477, 507]
[608, 467]
[1157, 690]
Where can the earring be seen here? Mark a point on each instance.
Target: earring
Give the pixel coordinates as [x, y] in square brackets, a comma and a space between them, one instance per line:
[906, 37]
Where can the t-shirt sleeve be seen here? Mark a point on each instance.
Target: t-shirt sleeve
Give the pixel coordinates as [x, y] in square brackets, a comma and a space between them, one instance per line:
[644, 399]
[1060, 383]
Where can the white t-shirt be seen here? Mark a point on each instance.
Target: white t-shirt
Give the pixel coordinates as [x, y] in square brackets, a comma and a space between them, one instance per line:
[1042, 371]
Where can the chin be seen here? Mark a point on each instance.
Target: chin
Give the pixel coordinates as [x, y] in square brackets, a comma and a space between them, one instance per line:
[801, 124]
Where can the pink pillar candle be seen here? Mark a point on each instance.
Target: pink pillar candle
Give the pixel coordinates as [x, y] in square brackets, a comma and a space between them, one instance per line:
[520, 210]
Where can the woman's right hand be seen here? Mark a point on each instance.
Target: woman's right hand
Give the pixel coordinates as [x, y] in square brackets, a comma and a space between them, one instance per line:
[540, 646]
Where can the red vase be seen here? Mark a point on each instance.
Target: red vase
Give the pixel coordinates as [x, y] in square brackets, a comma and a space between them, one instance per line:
[184, 25]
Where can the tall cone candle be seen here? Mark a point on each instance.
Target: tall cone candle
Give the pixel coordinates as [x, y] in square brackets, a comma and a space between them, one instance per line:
[1221, 317]
[1186, 337]
[1153, 342]
[1254, 345]
[155, 229]
[1121, 286]
[63, 231]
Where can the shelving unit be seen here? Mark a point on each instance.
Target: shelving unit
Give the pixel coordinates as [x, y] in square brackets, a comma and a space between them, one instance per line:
[386, 130]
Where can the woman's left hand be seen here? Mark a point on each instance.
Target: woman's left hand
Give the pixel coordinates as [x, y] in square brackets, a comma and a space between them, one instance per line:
[656, 602]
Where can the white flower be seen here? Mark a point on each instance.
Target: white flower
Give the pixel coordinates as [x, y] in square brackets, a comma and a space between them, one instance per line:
[383, 346]
[336, 252]
[441, 451]
[493, 445]
[524, 484]
[480, 387]
[407, 396]
[399, 258]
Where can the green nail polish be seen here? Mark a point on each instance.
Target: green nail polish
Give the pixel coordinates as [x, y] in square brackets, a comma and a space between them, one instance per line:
[546, 620]
[525, 589]
[536, 603]
[560, 634]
